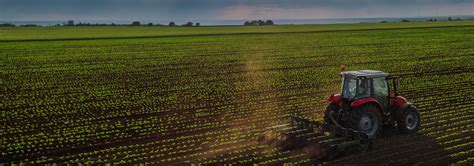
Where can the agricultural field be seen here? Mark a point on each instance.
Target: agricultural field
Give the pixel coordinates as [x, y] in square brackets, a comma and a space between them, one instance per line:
[204, 95]
[74, 33]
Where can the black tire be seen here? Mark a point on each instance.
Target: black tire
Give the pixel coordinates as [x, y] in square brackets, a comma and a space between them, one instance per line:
[330, 108]
[366, 119]
[409, 120]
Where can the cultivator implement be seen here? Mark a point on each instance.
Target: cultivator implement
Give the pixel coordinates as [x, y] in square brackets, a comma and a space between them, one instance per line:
[304, 132]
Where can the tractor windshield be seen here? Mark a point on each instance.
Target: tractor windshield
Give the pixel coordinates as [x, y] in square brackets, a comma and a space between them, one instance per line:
[349, 88]
[355, 88]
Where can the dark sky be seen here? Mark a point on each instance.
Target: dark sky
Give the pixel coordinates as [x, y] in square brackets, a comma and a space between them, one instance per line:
[226, 9]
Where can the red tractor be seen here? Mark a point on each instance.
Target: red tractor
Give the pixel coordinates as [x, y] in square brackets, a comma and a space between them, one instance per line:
[353, 119]
[368, 100]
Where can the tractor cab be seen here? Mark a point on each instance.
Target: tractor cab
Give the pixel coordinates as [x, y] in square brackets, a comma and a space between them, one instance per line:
[362, 84]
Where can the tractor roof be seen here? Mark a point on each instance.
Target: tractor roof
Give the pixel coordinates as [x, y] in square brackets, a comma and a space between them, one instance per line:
[364, 73]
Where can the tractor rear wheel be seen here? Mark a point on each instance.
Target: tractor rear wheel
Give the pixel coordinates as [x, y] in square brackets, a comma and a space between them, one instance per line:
[409, 120]
[366, 119]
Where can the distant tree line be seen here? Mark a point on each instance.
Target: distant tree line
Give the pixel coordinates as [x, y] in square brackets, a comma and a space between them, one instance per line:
[71, 23]
[188, 24]
[429, 20]
[13, 25]
[7, 25]
[452, 19]
[134, 23]
[173, 24]
[258, 23]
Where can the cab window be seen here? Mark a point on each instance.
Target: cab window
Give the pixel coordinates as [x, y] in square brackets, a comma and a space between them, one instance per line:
[380, 87]
[349, 88]
[363, 88]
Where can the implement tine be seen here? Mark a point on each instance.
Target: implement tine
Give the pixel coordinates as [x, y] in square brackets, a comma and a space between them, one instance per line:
[318, 138]
[331, 140]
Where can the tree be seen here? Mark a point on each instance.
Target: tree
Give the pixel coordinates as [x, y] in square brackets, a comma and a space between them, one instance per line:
[189, 24]
[70, 23]
[172, 24]
[258, 23]
[269, 22]
[254, 23]
[198, 24]
[150, 24]
[136, 23]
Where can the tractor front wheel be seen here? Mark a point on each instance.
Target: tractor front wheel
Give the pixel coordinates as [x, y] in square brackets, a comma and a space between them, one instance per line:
[410, 120]
[366, 119]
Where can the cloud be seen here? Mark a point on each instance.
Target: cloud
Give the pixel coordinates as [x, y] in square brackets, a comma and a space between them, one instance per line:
[272, 12]
[319, 9]
[225, 9]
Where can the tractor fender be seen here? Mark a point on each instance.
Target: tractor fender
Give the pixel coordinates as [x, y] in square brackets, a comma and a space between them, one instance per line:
[363, 101]
[335, 98]
[404, 106]
[401, 101]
